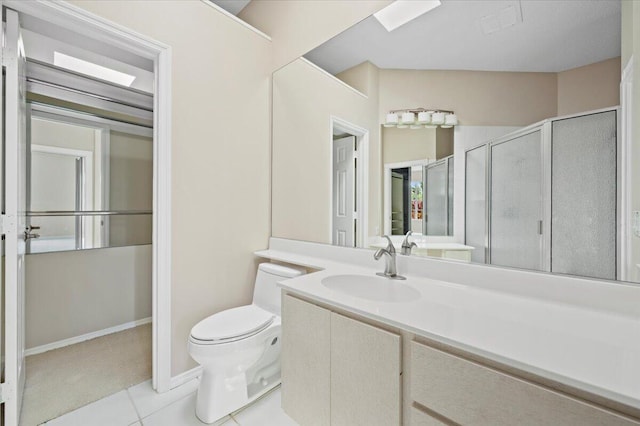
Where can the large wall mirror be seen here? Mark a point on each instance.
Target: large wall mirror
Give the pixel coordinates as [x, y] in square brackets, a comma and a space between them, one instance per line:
[512, 155]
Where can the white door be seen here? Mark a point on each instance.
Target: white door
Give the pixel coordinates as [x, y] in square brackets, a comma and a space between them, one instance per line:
[14, 221]
[344, 171]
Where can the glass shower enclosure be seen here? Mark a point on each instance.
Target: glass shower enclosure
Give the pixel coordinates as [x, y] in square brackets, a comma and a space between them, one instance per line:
[544, 197]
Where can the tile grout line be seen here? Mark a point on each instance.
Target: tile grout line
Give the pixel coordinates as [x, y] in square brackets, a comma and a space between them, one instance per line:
[134, 404]
[165, 406]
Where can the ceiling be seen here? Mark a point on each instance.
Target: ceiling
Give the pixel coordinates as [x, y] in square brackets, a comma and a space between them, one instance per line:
[535, 35]
[232, 6]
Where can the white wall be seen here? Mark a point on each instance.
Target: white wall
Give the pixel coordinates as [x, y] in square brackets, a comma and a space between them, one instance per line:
[220, 154]
[77, 292]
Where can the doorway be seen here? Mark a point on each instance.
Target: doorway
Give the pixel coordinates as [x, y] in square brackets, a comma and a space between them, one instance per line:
[349, 183]
[18, 231]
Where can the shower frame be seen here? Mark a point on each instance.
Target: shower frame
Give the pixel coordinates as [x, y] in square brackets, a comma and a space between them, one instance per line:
[545, 129]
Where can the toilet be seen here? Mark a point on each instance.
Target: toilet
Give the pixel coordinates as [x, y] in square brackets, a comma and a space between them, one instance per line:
[239, 349]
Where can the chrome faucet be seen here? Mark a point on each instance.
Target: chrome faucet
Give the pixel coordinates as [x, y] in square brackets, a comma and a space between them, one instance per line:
[406, 245]
[389, 254]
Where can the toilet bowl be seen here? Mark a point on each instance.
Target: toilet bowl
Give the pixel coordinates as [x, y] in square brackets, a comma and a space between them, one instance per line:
[239, 348]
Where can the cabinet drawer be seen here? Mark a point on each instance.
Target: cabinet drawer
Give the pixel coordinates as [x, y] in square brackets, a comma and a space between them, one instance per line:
[472, 394]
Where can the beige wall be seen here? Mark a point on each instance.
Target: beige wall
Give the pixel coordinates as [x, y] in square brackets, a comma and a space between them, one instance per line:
[131, 188]
[304, 99]
[220, 70]
[479, 98]
[590, 87]
[359, 76]
[73, 293]
[400, 145]
[296, 27]
[131, 172]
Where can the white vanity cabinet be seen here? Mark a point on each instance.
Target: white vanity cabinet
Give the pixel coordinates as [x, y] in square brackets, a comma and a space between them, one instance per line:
[341, 371]
[336, 370]
[448, 389]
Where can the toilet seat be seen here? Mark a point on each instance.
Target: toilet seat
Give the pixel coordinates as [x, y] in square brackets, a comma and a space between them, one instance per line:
[231, 325]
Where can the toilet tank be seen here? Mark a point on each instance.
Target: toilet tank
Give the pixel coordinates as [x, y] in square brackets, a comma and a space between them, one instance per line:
[266, 293]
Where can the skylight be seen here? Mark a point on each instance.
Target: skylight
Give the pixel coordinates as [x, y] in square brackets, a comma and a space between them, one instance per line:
[91, 69]
[400, 12]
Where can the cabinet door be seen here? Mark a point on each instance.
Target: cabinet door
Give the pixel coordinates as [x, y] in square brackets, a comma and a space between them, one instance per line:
[365, 374]
[468, 393]
[306, 362]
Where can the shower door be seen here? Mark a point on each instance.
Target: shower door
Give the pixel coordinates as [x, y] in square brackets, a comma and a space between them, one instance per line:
[516, 209]
[583, 214]
[438, 196]
[475, 215]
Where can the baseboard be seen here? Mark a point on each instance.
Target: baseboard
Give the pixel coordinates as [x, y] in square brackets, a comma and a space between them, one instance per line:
[185, 377]
[88, 336]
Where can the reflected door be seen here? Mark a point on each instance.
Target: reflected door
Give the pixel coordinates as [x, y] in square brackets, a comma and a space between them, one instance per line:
[400, 204]
[343, 226]
[515, 229]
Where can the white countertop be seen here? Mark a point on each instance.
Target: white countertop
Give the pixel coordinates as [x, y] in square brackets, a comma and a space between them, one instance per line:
[428, 246]
[590, 348]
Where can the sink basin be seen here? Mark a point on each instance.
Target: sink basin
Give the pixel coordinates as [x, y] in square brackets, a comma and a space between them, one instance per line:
[378, 289]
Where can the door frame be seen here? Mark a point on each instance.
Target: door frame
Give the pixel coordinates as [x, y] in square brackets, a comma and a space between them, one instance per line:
[79, 20]
[386, 194]
[627, 228]
[362, 177]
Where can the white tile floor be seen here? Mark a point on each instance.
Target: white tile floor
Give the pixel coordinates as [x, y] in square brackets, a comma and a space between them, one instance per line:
[140, 405]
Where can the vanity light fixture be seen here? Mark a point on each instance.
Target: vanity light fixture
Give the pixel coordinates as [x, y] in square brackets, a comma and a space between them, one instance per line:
[400, 12]
[450, 120]
[408, 118]
[417, 118]
[391, 120]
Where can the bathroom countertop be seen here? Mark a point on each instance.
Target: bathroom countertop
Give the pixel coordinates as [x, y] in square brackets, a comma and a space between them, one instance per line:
[428, 246]
[590, 349]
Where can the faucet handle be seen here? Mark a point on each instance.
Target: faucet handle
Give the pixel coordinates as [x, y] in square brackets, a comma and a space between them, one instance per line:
[390, 248]
[406, 245]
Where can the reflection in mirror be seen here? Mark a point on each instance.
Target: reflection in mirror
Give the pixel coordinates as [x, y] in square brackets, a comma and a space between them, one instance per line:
[404, 197]
[438, 183]
[524, 175]
[402, 184]
[90, 181]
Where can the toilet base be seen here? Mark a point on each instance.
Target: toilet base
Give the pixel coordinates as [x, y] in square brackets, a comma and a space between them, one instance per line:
[218, 397]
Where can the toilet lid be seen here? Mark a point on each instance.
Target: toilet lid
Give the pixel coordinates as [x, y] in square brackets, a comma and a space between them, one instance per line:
[232, 323]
